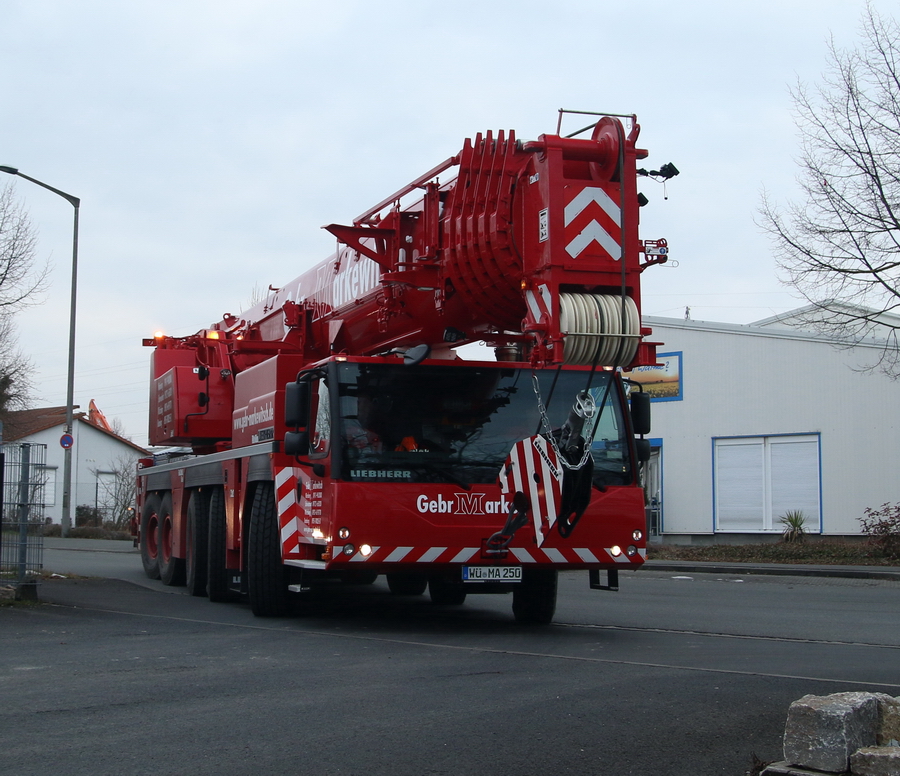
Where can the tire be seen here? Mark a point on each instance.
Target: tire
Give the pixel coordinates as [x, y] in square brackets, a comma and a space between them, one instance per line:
[197, 537]
[267, 577]
[534, 598]
[444, 593]
[217, 578]
[171, 569]
[150, 536]
[401, 583]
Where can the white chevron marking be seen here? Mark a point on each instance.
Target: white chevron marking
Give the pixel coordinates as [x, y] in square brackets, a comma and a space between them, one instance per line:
[585, 197]
[593, 231]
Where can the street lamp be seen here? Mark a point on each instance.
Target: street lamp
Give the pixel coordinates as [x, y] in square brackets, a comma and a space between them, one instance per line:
[70, 377]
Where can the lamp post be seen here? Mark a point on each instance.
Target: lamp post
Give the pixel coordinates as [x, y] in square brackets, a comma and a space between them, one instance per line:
[70, 375]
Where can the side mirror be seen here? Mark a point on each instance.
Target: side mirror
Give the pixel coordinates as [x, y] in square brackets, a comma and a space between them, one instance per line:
[640, 412]
[416, 355]
[296, 443]
[296, 404]
[643, 450]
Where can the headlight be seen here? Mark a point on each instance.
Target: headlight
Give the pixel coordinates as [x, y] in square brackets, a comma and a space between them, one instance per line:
[349, 549]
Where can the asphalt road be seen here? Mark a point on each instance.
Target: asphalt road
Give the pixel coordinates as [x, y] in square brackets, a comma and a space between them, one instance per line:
[678, 673]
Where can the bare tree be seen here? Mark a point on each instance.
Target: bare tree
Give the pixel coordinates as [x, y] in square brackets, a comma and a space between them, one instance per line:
[840, 247]
[118, 428]
[21, 279]
[15, 371]
[116, 491]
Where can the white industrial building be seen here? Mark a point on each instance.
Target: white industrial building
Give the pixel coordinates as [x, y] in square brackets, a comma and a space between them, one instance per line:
[750, 422]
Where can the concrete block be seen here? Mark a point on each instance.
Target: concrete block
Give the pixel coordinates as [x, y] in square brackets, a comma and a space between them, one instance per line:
[888, 732]
[823, 731]
[875, 761]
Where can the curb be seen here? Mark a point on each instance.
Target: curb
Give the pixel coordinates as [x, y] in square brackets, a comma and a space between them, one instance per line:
[883, 573]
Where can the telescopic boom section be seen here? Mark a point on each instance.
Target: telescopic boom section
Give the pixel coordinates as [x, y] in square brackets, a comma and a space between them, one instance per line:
[533, 248]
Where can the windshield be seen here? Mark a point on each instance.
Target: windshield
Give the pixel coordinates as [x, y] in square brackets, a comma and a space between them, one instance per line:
[457, 423]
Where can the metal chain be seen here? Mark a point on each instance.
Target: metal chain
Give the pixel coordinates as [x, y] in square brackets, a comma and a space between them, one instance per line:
[548, 430]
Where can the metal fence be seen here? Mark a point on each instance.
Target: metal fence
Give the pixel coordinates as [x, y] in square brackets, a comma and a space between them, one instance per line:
[22, 477]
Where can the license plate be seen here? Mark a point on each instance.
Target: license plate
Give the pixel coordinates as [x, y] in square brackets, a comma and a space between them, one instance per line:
[492, 574]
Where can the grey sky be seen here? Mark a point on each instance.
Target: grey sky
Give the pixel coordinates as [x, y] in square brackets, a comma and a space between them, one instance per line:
[210, 141]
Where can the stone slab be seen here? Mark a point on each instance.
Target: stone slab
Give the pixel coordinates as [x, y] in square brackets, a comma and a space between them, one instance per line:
[888, 732]
[823, 731]
[786, 769]
[876, 761]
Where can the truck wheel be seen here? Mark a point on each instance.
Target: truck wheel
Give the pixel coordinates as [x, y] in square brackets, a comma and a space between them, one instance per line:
[401, 583]
[150, 535]
[216, 546]
[267, 577]
[444, 593]
[171, 569]
[534, 598]
[197, 536]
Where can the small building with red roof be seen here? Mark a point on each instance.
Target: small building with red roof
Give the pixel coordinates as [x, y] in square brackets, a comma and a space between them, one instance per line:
[99, 456]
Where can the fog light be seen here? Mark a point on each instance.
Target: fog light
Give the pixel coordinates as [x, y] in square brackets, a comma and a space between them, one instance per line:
[631, 551]
[637, 535]
[615, 551]
[349, 549]
[344, 533]
[365, 550]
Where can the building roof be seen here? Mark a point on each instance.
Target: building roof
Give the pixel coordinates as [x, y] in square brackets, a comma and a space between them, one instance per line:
[766, 328]
[26, 423]
[830, 314]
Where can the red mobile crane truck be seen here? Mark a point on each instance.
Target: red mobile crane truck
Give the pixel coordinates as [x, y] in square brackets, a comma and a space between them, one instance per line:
[335, 433]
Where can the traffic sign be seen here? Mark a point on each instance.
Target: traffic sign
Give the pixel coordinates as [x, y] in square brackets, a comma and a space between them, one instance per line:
[66, 441]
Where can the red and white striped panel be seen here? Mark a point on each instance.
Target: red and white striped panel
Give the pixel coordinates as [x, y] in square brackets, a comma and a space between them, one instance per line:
[532, 555]
[591, 215]
[288, 510]
[539, 305]
[533, 468]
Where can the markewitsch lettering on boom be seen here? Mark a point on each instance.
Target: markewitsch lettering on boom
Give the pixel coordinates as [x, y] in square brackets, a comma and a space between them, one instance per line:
[325, 289]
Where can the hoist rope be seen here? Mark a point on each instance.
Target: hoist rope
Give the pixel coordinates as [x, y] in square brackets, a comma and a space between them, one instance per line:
[592, 326]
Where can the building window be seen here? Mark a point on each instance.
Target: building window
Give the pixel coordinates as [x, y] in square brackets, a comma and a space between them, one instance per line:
[759, 479]
[105, 494]
[47, 494]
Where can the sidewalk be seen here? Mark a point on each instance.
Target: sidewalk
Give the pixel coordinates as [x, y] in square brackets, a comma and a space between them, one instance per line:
[88, 545]
[104, 558]
[781, 569]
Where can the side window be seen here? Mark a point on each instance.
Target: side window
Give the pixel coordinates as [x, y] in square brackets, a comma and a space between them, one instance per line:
[612, 465]
[321, 410]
